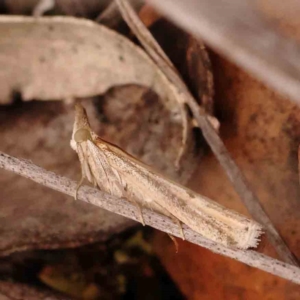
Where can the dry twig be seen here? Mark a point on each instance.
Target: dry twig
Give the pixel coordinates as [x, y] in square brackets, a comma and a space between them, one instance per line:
[155, 220]
[111, 16]
[42, 7]
[237, 178]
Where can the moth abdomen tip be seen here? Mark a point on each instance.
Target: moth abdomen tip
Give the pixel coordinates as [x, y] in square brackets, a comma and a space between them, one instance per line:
[252, 237]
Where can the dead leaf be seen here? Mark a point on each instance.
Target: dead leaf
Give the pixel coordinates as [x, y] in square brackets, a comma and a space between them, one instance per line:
[66, 57]
[70, 283]
[19, 291]
[261, 131]
[191, 59]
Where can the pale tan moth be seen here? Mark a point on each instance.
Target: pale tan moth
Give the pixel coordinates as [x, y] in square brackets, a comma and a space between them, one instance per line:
[118, 173]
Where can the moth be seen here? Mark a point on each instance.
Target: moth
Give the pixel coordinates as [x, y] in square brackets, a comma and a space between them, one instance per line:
[118, 173]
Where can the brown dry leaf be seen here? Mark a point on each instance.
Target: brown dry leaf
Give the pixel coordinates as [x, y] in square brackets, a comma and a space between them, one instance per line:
[190, 58]
[70, 283]
[261, 131]
[19, 291]
[283, 16]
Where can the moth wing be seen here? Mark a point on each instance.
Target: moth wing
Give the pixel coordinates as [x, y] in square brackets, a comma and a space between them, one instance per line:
[119, 182]
[198, 212]
[107, 178]
[85, 168]
[138, 182]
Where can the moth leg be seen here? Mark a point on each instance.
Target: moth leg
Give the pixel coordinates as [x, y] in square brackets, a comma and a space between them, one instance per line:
[139, 208]
[78, 186]
[180, 227]
[131, 199]
[174, 241]
[173, 218]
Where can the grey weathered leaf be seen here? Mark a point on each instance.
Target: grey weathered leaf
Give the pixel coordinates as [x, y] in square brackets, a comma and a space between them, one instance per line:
[62, 57]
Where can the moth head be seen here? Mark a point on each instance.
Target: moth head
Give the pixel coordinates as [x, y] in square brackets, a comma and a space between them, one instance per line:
[81, 128]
